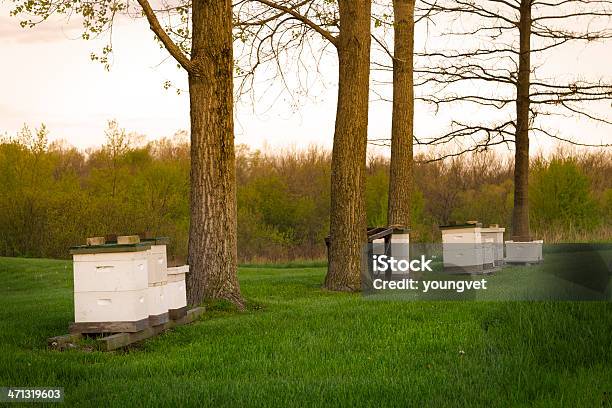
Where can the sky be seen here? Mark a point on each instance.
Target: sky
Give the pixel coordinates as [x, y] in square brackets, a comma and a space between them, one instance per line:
[47, 76]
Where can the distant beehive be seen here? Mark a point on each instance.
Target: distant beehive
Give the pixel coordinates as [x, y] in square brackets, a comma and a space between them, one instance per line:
[495, 235]
[524, 252]
[466, 249]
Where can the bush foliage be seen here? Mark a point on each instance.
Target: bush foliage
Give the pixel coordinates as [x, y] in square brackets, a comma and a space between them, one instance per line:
[53, 196]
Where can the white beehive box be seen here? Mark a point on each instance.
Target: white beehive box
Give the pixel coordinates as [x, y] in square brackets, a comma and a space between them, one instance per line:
[464, 259]
[110, 272]
[488, 254]
[461, 235]
[495, 235]
[378, 246]
[158, 261]
[465, 250]
[110, 288]
[157, 304]
[176, 289]
[524, 252]
[400, 247]
[157, 300]
[395, 243]
[400, 244]
[109, 307]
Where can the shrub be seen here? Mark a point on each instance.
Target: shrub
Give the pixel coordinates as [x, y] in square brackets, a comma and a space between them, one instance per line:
[560, 196]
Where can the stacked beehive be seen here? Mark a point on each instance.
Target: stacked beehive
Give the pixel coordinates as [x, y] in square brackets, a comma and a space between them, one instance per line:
[157, 281]
[123, 286]
[110, 288]
[464, 249]
[495, 235]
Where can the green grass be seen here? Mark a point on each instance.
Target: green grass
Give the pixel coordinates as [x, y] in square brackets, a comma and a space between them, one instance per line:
[302, 346]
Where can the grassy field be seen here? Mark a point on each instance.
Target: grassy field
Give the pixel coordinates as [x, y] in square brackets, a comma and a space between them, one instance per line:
[298, 345]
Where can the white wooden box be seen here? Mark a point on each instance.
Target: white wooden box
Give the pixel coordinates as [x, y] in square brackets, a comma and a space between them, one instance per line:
[524, 252]
[400, 246]
[400, 250]
[158, 277]
[464, 257]
[157, 302]
[158, 264]
[468, 235]
[488, 255]
[125, 306]
[177, 296]
[470, 248]
[175, 288]
[378, 246]
[496, 236]
[110, 272]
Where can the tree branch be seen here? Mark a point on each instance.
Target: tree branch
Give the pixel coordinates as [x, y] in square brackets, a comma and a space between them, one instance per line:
[159, 31]
[303, 19]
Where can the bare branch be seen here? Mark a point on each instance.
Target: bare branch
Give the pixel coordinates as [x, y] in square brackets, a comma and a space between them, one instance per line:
[291, 11]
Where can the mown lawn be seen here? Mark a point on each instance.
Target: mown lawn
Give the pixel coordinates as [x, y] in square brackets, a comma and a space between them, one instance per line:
[298, 345]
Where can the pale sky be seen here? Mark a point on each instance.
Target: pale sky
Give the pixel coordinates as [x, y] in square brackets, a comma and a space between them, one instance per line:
[46, 76]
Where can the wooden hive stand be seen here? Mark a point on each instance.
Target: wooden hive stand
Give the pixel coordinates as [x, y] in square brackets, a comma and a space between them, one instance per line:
[114, 341]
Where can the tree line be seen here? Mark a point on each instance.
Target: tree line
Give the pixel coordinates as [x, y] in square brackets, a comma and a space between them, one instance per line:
[55, 195]
[199, 35]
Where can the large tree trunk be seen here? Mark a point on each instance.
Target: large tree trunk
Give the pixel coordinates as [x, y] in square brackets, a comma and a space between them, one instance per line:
[400, 177]
[520, 214]
[212, 230]
[348, 218]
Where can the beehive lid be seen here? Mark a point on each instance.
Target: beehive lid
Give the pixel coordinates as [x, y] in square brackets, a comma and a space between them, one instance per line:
[177, 270]
[109, 248]
[156, 240]
[461, 226]
[494, 228]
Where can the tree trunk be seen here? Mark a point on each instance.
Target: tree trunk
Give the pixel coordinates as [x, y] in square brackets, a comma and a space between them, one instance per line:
[400, 177]
[520, 214]
[348, 218]
[212, 230]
